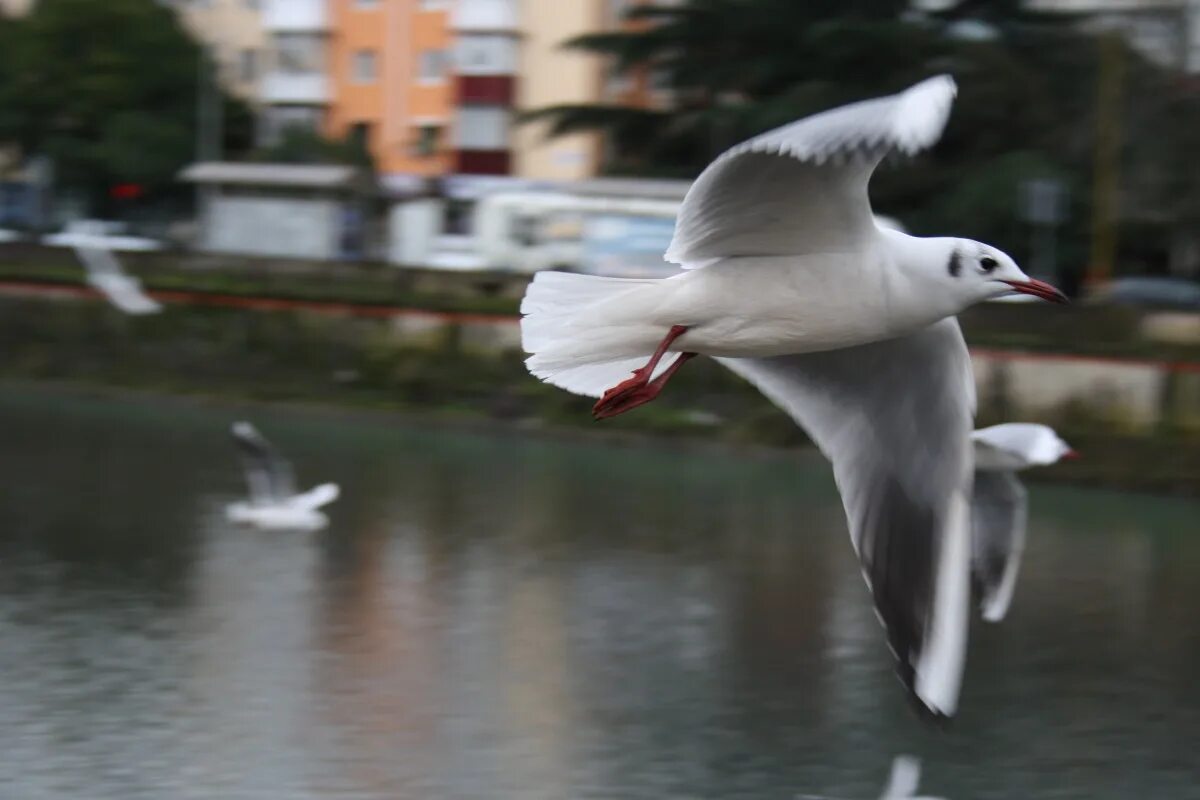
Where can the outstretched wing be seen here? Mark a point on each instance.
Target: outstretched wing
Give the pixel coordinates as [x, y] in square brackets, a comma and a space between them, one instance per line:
[268, 474]
[894, 417]
[316, 497]
[904, 780]
[104, 273]
[998, 511]
[802, 188]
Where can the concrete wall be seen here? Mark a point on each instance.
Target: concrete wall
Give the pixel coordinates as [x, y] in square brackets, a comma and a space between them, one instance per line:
[1134, 396]
[280, 226]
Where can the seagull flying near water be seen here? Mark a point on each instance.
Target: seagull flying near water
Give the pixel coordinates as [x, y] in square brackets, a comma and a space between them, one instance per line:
[273, 500]
[902, 782]
[104, 274]
[845, 324]
[1000, 504]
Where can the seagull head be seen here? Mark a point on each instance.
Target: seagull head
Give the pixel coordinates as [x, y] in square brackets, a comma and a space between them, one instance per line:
[949, 275]
[981, 272]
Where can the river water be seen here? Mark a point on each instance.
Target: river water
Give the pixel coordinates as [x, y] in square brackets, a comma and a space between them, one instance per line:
[497, 615]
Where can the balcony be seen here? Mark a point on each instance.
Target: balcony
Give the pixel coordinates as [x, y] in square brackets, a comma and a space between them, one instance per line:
[295, 16]
[296, 88]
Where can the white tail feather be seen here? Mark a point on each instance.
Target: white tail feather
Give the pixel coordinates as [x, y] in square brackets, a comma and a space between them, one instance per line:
[579, 341]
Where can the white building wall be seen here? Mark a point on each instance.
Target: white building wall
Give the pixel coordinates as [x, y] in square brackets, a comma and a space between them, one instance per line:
[295, 16]
[272, 226]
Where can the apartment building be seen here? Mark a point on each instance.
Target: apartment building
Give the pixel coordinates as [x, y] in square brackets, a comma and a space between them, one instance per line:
[295, 89]
[434, 86]
[233, 34]
[390, 67]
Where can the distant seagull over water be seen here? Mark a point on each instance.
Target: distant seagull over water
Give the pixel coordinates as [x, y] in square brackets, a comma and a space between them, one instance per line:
[124, 291]
[845, 324]
[1000, 505]
[273, 500]
[902, 783]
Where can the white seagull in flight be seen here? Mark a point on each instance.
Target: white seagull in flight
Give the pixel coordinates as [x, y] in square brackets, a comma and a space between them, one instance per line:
[1000, 505]
[273, 500]
[846, 325]
[104, 274]
[902, 783]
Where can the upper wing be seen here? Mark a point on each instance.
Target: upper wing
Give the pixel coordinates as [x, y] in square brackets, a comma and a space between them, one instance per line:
[268, 473]
[105, 274]
[902, 783]
[998, 512]
[802, 188]
[894, 418]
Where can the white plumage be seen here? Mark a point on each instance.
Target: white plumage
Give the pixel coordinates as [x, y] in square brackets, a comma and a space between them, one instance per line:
[273, 501]
[999, 507]
[788, 280]
[124, 291]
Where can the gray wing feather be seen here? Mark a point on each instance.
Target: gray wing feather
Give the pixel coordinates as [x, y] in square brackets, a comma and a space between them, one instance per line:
[802, 188]
[268, 474]
[894, 418]
[998, 510]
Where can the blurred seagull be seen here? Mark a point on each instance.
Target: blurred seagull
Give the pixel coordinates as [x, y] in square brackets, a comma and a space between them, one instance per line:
[902, 783]
[845, 324]
[905, 777]
[1000, 504]
[273, 500]
[104, 274]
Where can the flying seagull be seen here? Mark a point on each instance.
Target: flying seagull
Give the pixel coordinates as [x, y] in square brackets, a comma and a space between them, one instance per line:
[1000, 504]
[273, 500]
[902, 782]
[845, 324]
[104, 274]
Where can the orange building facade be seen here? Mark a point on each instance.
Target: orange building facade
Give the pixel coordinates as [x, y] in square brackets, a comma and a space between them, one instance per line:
[432, 87]
[391, 81]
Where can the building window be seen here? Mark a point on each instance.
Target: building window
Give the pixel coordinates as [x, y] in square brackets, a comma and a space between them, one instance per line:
[360, 136]
[432, 5]
[482, 128]
[277, 120]
[486, 54]
[431, 66]
[365, 4]
[363, 66]
[252, 5]
[247, 66]
[427, 140]
[299, 53]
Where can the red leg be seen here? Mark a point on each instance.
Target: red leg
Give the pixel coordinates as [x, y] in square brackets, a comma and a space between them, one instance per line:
[639, 389]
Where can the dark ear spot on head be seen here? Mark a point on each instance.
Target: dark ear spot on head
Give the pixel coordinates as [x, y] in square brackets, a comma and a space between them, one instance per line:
[955, 265]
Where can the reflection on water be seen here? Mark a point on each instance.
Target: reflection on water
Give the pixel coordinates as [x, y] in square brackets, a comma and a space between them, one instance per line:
[495, 616]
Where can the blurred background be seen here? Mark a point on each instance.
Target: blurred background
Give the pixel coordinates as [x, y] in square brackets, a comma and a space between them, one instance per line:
[320, 215]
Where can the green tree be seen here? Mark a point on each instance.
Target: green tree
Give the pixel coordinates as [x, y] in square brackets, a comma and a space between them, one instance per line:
[1026, 105]
[105, 89]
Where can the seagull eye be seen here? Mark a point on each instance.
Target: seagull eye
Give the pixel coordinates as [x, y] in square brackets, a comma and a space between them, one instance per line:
[988, 263]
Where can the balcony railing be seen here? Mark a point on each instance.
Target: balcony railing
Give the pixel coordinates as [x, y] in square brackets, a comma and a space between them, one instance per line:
[307, 88]
[285, 16]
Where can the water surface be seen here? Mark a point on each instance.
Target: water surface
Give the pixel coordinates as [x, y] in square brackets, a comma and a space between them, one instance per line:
[498, 615]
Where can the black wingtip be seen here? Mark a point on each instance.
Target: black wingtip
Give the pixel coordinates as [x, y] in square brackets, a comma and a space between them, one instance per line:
[924, 712]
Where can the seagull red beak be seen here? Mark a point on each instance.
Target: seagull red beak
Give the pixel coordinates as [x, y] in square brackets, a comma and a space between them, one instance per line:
[1039, 289]
[1071, 455]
